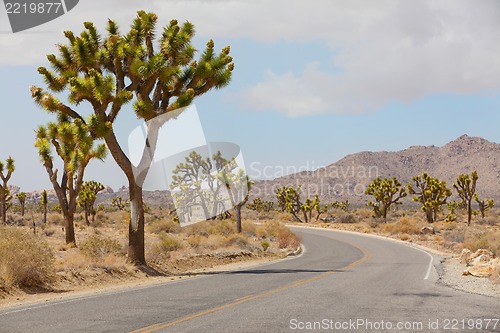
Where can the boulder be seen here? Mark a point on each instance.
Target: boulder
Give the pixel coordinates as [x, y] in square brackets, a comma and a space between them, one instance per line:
[465, 255]
[480, 256]
[427, 231]
[483, 270]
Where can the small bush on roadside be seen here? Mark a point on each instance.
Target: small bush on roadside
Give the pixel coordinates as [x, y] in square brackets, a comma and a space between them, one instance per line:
[486, 240]
[96, 246]
[168, 244]
[25, 259]
[404, 225]
[168, 226]
[195, 241]
[236, 240]
[287, 239]
[223, 228]
[347, 218]
[265, 245]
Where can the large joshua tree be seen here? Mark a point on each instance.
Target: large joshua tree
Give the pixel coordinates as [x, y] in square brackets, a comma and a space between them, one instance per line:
[9, 167]
[73, 143]
[157, 75]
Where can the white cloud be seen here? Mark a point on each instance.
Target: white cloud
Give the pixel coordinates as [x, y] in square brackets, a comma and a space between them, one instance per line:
[387, 50]
[414, 50]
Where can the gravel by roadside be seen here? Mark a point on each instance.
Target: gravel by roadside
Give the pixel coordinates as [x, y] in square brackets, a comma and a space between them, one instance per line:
[450, 273]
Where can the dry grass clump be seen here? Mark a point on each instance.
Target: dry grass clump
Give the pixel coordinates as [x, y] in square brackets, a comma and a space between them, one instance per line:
[167, 243]
[238, 240]
[275, 230]
[223, 228]
[484, 240]
[287, 239]
[25, 260]
[364, 213]
[96, 246]
[403, 225]
[163, 225]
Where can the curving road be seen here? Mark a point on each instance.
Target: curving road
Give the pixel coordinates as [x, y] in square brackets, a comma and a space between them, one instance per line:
[343, 282]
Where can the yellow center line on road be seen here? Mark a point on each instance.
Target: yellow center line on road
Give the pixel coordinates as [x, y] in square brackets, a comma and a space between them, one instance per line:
[159, 326]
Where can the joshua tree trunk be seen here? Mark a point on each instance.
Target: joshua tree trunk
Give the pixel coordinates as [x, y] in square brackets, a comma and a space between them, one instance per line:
[136, 226]
[69, 229]
[469, 211]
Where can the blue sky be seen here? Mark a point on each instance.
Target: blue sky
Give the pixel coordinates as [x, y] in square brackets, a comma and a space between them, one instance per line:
[312, 82]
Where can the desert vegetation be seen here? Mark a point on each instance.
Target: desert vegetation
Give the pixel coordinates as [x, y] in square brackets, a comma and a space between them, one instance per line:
[48, 263]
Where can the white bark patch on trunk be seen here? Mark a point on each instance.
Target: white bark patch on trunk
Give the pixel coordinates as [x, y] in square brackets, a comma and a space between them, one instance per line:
[134, 216]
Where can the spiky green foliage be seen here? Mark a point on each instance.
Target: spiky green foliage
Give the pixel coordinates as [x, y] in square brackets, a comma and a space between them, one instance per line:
[431, 193]
[119, 203]
[87, 197]
[260, 205]
[156, 72]
[342, 205]
[6, 170]
[386, 192]
[73, 143]
[484, 204]
[466, 189]
[289, 201]
[21, 197]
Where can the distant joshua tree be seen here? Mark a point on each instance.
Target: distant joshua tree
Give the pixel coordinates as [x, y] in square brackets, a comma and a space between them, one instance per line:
[22, 201]
[4, 189]
[87, 197]
[466, 189]
[386, 192]
[431, 193]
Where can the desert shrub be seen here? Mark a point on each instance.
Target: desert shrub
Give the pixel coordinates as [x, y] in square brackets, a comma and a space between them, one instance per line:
[364, 213]
[25, 259]
[223, 228]
[265, 245]
[488, 220]
[96, 246]
[404, 237]
[287, 239]
[403, 225]
[200, 228]
[55, 218]
[168, 226]
[347, 218]
[17, 220]
[454, 236]
[269, 229]
[168, 244]
[249, 228]
[486, 240]
[195, 241]
[236, 240]
[48, 231]
[284, 217]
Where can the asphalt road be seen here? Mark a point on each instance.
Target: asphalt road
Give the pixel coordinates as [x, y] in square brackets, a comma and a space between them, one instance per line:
[343, 282]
